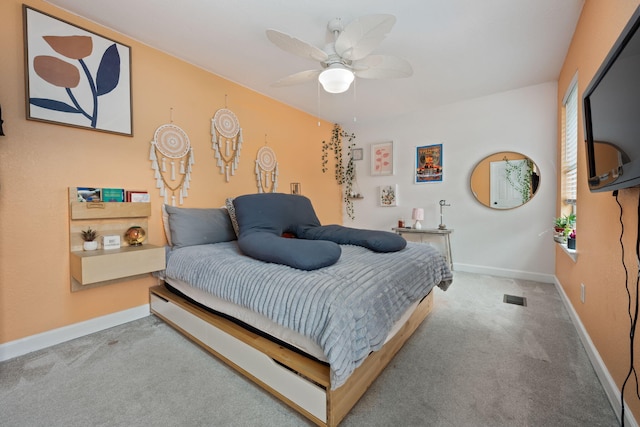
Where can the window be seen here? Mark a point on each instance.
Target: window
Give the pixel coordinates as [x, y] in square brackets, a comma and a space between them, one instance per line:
[570, 148]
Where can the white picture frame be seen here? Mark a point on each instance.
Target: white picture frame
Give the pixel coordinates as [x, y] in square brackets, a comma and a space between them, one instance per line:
[388, 195]
[382, 159]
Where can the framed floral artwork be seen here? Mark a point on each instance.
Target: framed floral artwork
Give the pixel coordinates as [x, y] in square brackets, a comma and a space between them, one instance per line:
[388, 195]
[382, 158]
[75, 77]
[429, 166]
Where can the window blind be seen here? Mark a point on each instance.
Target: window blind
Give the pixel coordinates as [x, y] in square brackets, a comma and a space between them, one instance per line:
[570, 137]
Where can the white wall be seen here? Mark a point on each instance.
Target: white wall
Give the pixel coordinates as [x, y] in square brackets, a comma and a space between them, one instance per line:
[516, 242]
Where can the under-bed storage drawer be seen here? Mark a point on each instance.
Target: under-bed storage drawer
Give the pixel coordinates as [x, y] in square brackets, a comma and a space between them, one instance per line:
[243, 357]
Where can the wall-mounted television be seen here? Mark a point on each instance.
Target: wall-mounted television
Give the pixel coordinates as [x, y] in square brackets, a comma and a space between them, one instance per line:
[611, 108]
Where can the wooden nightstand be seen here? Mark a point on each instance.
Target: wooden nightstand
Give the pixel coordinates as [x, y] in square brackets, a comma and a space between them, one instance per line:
[425, 232]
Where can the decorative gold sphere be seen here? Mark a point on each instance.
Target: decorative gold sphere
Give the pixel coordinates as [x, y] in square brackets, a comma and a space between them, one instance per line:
[135, 235]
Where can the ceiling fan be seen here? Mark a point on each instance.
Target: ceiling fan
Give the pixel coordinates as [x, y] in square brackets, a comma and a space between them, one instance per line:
[347, 57]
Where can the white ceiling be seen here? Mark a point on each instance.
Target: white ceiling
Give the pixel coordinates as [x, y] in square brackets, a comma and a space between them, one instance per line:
[459, 49]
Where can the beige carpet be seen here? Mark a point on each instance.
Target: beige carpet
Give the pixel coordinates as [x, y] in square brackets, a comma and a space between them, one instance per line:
[476, 361]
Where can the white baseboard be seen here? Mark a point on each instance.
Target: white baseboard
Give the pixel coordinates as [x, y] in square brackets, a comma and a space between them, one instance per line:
[56, 336]
[503, 272]
[611, 389]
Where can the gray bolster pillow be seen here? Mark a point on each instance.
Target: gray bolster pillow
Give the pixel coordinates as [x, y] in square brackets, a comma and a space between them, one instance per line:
[375, 240]
[296, 253]
[264, 218]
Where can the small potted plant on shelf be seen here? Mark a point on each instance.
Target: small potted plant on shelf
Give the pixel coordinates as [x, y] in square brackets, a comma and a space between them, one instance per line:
[89, 237]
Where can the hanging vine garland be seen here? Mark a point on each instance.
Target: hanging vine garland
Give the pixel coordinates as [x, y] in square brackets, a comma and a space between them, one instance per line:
[266, 170]
[519, 176]
[344, 176]
[171, 144]
[226, 136]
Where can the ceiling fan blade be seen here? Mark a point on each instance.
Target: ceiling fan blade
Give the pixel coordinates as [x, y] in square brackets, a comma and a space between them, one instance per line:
[382, 67]
[297, 78]
[296, 46]
[363, 35]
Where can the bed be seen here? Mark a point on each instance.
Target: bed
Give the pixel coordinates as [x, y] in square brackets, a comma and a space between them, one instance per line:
[316, 338]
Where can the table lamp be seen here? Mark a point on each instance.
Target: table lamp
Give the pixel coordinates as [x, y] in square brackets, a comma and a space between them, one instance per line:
[417, 215]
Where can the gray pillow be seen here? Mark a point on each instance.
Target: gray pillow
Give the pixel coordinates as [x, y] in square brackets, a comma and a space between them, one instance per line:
[297, 253]
[232, 214]
[264, 217]
[375, 240]
[193, 226]
[273, 212]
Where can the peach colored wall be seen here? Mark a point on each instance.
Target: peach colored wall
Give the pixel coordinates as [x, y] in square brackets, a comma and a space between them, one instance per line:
[599, 266]
[39, 161]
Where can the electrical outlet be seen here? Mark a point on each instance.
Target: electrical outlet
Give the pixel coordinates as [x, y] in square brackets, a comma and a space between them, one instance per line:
[582, 292]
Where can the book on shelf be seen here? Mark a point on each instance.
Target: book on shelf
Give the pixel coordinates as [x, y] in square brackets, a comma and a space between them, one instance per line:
[134, 196]
[113, 195]
[93, 194]
[88, 194]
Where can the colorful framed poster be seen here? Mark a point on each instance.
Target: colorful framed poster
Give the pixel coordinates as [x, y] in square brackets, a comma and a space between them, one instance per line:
[429, 165]
[75, 77]
[382, 158]
[388, 195]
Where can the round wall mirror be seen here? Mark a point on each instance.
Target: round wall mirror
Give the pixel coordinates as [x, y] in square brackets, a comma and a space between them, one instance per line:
[505, 180]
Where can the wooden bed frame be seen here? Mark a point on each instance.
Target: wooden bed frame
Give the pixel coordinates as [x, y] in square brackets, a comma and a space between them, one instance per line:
[299, 381]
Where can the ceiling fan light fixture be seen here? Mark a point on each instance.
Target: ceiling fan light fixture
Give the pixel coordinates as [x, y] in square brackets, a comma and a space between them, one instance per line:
[336, 79]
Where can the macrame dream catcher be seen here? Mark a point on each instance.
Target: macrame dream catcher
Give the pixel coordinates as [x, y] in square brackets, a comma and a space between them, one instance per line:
[227, 141]
[171, 158]
[266, 170]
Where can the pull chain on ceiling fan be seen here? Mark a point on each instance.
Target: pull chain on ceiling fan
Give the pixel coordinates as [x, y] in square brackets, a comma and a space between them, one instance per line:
[349, 55]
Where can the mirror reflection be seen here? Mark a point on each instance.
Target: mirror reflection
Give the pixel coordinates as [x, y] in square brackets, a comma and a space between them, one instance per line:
[505, 180]
[608, 164]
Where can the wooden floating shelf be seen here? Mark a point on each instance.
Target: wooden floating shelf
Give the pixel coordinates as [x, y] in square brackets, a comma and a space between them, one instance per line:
[89, 267]
[106, 210]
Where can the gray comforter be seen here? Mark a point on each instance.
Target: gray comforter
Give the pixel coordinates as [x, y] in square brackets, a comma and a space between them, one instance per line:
[347, 308]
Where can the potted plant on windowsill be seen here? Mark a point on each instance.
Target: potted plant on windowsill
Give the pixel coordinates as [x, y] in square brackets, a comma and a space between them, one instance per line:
[563, 225]
[559, 227]
[571, 241]
[89, 237]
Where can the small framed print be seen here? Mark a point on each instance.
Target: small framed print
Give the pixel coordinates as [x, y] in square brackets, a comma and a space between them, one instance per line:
[382, 159]
[388, 195]
[357, 154]
[428, 164]
[139, 197]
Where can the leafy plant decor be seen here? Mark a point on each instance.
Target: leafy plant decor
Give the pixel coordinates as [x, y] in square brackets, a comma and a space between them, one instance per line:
[89, 235]
[345, 175]
[519, 177]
